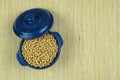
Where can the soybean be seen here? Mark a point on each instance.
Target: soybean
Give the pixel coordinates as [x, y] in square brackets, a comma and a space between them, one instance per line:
[41, 51]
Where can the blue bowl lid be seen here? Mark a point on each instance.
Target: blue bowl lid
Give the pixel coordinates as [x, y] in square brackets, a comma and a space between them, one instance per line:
[33, 23]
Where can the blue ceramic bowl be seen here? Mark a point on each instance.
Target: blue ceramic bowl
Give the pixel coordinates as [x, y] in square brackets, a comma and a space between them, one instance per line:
[32, 24]
[21, 60]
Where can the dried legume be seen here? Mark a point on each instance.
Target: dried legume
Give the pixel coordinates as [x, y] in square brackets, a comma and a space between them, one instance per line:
[41, 51]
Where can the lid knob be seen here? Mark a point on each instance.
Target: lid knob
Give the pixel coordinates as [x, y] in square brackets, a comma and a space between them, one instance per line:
[31, 18]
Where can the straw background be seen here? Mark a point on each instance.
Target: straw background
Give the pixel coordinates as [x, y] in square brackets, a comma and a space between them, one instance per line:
[91, 33]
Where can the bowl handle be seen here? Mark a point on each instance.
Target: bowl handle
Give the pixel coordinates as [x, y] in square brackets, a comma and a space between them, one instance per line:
[58, 37]
[20, 59]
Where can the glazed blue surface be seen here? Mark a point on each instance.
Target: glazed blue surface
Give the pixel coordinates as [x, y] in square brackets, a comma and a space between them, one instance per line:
[32, 24]
[21, 60]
